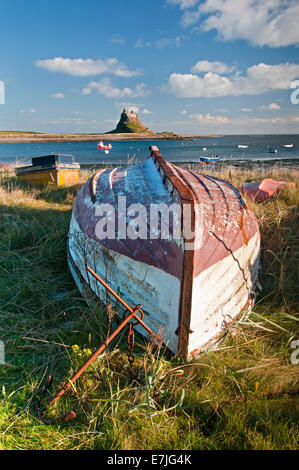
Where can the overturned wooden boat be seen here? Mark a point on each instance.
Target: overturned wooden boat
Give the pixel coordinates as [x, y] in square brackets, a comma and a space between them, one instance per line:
[59, 170]
[262, 190]
[194, 271]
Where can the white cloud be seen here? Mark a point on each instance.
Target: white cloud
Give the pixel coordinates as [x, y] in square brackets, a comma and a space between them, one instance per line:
[86, 67]
[259, 79]
[27, 111]
[262, 22]
[145, 111]
[183, 3]
[246, 110]
[57, 95]
[207, 123]
[184, 111]
[270, 107]
[192, 86]
[207, 66]
[210, 119]
[105, 87]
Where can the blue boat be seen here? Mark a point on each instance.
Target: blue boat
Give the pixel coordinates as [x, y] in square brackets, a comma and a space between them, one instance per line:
[213, 159]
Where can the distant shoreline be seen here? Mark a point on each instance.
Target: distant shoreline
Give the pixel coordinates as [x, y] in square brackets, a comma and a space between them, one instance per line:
[31, 137]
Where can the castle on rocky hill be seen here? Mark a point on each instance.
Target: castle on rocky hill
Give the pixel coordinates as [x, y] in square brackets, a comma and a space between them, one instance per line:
[130, 123]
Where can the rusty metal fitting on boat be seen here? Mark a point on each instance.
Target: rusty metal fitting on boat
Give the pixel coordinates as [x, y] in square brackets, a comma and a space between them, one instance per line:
[69, 382]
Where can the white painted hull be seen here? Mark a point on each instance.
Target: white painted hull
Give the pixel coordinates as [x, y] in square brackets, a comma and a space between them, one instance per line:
[231, 287]
[157, 291]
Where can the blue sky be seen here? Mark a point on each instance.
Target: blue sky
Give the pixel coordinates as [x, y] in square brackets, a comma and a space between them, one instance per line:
[188, 66]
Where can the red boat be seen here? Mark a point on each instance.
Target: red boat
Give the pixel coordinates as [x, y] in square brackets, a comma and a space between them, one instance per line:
[102, 146]
[261, 191]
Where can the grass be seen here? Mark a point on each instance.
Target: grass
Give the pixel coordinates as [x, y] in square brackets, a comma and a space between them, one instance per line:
[242, 395]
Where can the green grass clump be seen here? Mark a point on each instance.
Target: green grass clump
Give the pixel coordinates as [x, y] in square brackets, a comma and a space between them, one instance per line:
[241, 395]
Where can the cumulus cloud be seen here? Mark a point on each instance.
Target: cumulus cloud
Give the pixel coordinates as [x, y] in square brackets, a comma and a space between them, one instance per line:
[105, 87]
[207, 66]
[210, 119]
[86, 67]
[57, 96]
[27, 111]
[270, 107]
[260, 78]
[237, 125]
[262, 22]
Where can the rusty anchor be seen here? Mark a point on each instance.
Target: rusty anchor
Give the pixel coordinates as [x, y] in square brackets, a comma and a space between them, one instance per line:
[133, 311]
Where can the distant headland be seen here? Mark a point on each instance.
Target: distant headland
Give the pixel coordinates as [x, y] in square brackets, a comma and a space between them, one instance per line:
[129, 127]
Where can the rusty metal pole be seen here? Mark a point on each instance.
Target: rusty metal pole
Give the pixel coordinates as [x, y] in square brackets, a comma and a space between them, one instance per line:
[67, 385]
[98, 278]
[132, 314]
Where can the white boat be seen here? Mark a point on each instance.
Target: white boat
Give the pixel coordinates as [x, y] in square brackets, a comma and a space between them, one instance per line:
[288, 146]
[241, 146]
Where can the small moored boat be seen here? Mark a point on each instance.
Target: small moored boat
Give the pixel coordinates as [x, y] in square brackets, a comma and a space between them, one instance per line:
[183, 245]
[102, 146]
[288, 146]
[242, 146]
[213, 159]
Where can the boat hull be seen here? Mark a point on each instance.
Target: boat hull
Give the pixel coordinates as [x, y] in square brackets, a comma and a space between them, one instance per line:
[192, 286]
[49, 169]
[55, 177]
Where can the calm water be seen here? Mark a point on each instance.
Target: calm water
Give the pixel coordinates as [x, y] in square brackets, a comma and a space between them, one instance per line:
[189, 151]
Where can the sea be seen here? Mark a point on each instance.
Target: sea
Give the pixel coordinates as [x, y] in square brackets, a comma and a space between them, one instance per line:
[259, 150]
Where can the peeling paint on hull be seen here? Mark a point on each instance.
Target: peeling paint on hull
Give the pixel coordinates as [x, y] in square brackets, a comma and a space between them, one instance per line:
[190, 292]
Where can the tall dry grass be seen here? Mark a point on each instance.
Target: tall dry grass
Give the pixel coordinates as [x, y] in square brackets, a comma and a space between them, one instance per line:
[241, 395]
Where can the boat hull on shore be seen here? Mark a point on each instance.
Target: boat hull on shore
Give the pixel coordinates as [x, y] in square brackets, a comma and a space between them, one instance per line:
[192, 283]
[49, 170]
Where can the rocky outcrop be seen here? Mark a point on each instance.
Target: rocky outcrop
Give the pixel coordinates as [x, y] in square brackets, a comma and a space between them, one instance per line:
[130, 123]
